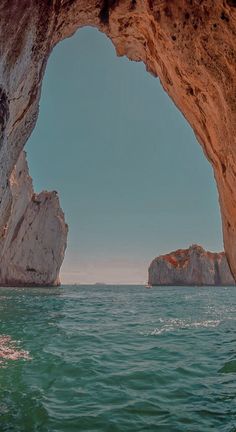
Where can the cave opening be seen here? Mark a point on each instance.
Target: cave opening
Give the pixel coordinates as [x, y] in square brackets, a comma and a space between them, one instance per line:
[131, 178]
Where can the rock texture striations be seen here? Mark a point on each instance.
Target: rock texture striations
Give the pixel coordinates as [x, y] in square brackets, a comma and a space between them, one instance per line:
[193, 266]
[34, 239]
[188, 44]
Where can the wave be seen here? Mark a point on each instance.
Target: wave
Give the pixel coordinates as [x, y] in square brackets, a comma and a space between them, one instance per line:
[178, 324]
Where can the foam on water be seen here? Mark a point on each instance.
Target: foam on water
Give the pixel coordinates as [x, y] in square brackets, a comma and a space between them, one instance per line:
[9, 350]
[97, 364]
[172, 325]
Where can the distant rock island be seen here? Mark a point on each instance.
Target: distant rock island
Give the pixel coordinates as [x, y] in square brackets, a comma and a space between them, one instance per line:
[192, 266]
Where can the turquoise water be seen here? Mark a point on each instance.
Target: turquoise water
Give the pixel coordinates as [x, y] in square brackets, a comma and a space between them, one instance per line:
[110, 359]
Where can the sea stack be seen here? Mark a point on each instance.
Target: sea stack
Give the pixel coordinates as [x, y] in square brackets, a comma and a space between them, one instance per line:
[193, 266]
[33, 239]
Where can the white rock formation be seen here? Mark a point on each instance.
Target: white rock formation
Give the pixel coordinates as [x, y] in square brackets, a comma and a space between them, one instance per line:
[193, 266]
[33, 241]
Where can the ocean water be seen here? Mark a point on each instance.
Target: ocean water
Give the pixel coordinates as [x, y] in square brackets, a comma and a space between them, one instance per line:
[117, 359]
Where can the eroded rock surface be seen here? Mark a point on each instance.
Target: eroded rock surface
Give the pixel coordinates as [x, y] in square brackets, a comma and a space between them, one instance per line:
[34, 239]
[188, 44]
[193, 266]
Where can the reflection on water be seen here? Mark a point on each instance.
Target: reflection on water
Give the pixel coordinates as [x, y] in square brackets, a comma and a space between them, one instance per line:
[122, 359]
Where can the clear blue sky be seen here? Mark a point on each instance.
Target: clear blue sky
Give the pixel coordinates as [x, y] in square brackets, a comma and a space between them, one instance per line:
[132, 180]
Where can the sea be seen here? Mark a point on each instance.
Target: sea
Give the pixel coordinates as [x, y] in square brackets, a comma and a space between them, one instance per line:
[118, 359]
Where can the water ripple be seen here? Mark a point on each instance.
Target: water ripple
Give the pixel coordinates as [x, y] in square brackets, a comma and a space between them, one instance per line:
[123, 359]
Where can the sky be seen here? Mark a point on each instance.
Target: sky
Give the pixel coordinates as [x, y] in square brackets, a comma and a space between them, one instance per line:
[132, 179]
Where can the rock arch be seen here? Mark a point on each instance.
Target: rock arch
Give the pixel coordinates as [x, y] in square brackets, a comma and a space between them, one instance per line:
[188, 44]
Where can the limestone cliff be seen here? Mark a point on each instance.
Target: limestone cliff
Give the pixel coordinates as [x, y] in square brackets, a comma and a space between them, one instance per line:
[188, 44]
[34, 239]
[193, 266]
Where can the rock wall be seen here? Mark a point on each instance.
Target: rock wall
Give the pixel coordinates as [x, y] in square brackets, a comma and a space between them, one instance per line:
[193, 266]
[188, 44]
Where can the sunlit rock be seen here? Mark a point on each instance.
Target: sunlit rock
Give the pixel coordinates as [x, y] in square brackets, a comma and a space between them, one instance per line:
[193, 266]
[34, 239]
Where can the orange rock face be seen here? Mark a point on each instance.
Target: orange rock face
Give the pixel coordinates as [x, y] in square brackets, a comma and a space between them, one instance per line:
[188, 44]
[193, 266]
